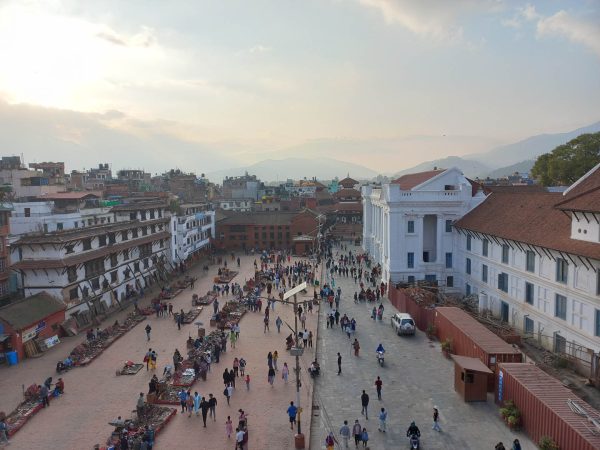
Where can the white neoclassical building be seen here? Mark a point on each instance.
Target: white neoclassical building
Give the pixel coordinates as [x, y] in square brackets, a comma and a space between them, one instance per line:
[533, 259]
[407, 224]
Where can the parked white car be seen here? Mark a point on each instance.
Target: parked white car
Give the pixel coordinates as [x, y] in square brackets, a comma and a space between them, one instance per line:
[403, 324]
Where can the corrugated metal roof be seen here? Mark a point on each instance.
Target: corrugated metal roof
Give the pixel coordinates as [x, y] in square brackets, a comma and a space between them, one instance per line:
[487, 341]
[30, 310]
[473, 364]
[554, 395]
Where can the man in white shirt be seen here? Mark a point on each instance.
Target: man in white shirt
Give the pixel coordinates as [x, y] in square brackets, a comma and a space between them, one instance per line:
[239, 438]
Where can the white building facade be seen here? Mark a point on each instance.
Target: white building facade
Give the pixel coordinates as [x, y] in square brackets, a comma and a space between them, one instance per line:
[97, 267]
[407, 224]
[191, 231]
[533, 260]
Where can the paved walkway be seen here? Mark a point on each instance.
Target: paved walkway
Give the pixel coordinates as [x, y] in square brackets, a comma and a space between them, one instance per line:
[94, 395]
[415, 378]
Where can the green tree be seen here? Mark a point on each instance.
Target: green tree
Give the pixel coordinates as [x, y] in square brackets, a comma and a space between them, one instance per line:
[568, 162]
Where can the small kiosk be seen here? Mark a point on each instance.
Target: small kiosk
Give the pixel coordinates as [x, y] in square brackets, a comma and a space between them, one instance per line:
[471, 378]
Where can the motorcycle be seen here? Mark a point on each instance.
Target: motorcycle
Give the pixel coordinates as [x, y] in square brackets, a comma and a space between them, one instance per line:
[414, 442]
[380, 358]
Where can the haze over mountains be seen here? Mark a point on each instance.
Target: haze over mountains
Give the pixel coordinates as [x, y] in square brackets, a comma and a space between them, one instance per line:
[499, 161]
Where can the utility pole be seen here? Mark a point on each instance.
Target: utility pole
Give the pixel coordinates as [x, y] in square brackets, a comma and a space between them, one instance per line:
[297, 351]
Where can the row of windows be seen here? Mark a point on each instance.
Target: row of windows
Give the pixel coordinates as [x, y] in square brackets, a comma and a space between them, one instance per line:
[111, 238]
[562, 266]
[411, 226]
[144, 214]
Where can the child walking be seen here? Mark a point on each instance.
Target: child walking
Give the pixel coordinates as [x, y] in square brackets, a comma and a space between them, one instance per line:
[229, 427]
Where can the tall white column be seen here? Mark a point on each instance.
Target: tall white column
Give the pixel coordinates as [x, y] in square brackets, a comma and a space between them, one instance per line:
[419, 231]
[441, 228]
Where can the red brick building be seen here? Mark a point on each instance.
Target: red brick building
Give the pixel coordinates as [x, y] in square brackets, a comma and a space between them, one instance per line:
[265, 230]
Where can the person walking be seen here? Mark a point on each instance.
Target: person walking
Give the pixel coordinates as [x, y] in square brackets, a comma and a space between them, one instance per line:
[364, 401]
[247, 379]
[339, 362]
[516, 445]
[182, 399]
[197, 401]
[356, 347]
[285, 371]
[364, 437]
[310, 339]
[242, 365]
[204, 407]
[266, 323]
[275, 358]
[232, 378]
[357, 432]
[236, 365]
[232, 338]
[291, 411]
[212, 407]
[278, 323]
[228, 427]
[148, 330]
[189, 403]
[330, 442]
[4, 432]
[227, 392]
[153, 358]
[345, 434]
[436, 418]
[382, 419]
[147, 358]
[271, 376]
[378, 385]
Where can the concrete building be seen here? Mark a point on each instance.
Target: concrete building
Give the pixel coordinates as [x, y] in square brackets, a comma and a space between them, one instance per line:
[25, 183]
[533, 260]
[237, 205]
[407, 224]
[242, 187]
[192, 229]
[4, 259]
[60, 211]
[95, 267]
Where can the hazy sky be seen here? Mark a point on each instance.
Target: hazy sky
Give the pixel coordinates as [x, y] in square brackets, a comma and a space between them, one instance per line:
[242, 78]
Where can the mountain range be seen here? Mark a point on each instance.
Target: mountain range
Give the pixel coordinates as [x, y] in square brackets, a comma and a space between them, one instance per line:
[499, 161]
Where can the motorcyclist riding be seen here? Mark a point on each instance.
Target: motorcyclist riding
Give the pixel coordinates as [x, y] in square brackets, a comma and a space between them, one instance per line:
[380, 348]
[413, 430]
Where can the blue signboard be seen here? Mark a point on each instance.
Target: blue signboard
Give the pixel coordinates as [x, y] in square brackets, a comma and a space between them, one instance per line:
[500, 385]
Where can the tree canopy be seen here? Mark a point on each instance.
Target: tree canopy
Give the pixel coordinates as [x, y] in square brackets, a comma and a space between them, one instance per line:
[568, 162]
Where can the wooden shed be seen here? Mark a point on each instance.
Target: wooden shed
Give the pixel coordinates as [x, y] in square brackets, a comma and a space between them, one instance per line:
[471, 378]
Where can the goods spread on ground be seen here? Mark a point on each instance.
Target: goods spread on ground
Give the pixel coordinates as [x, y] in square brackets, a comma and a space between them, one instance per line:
[205, 299]
[185, 376]
[154, 418]
[130, 368]
[230, 314]
[187, 281]
[25, 411]
[191, 315]
[86, 352]
[225, 275]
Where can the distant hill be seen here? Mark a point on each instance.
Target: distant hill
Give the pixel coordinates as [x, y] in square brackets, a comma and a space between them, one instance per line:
[521, 167]
[469, 167]
[282, 169]
[530, 148]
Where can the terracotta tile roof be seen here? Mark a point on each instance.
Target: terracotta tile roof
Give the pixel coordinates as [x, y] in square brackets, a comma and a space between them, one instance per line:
[583, 195]
[528, 218]
[515, 189]
[263, 217]
[347, 193]
[31, 310]
[410, 180]
[348, 181]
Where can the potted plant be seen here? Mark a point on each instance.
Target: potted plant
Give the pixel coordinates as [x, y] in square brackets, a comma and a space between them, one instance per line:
[447, 347]
[514, 421]
[547, 443]
[507, 410]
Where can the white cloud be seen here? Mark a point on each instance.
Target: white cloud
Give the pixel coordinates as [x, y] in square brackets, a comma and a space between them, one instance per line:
[576, 30]
[434, 19]
[528, 12]
[260, 49]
